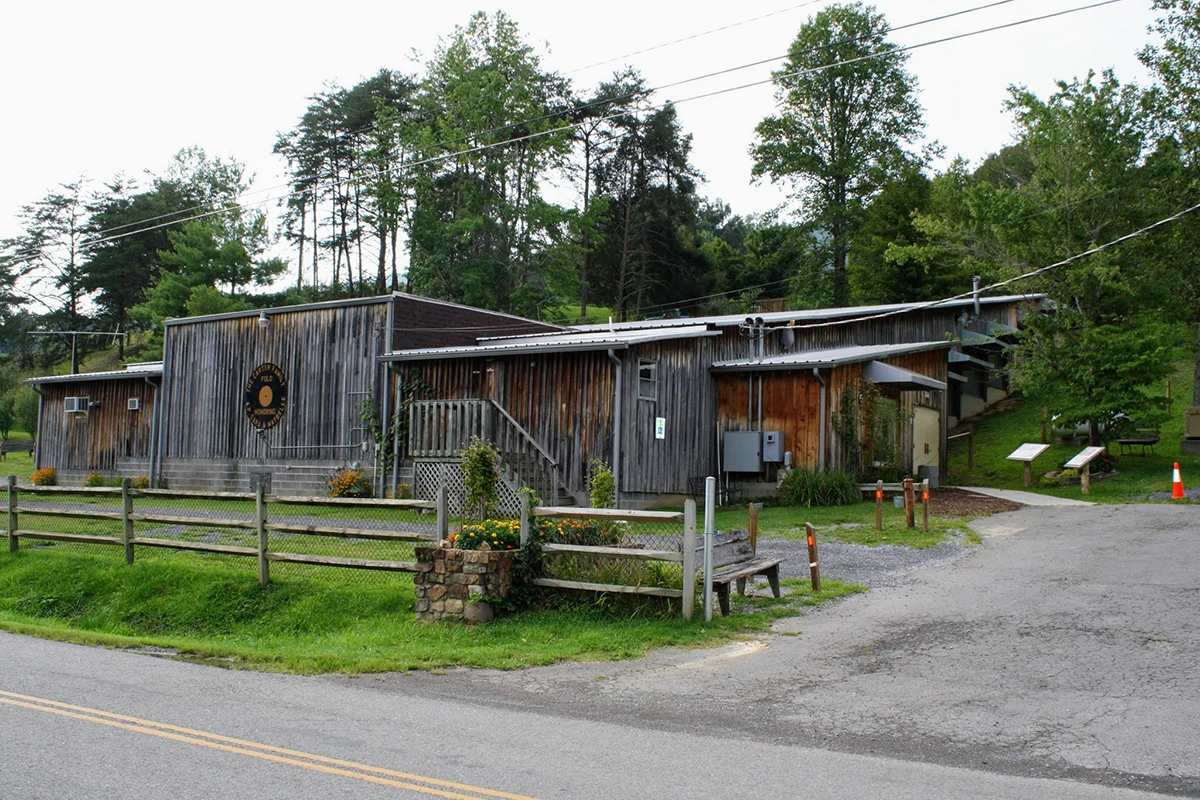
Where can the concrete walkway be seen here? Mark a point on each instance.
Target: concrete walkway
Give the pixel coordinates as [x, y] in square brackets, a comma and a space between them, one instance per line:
[1028, 498]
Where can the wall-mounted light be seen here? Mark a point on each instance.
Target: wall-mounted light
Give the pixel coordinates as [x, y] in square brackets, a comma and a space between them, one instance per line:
[263, 319]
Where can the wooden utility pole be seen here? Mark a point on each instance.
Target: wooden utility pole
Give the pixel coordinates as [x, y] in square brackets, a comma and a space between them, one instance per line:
[909, 503]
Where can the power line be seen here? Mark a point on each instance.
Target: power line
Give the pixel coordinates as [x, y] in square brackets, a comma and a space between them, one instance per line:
[557, 115]
[1008, 282]
[566, 128]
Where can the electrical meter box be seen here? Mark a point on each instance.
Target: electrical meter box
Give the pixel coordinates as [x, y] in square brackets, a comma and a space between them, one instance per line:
[742, 451]
[772, 447]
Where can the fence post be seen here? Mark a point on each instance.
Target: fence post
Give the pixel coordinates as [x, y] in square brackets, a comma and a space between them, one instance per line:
[524, 522]
[127, 521]
[12, 514]
[689, 558]
[710, 507]
[909, 502]
[260, 507]
[878, 505]
[925, 505]
[814, 566]
[443, 521]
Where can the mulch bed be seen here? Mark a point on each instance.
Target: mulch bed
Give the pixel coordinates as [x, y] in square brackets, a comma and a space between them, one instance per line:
[959, 503]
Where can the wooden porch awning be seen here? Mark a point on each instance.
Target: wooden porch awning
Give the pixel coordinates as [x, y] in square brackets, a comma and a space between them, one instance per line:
[891, 375]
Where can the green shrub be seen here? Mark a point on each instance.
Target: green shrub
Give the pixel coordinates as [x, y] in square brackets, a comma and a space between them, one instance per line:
[481, 475]
[806, 487]
[602, 486]
[95, 479]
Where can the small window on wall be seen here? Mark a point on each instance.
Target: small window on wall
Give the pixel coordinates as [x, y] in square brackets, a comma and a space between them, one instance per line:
[647, 380]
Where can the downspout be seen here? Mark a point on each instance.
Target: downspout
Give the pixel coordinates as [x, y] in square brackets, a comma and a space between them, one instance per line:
[821, 430]
[385, 413]
[164, 414]
[617, 397]
[37, 453]
[153, 428]
[396, 439]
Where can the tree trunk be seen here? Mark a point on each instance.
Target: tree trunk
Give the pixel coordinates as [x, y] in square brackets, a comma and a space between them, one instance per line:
[1196, 372]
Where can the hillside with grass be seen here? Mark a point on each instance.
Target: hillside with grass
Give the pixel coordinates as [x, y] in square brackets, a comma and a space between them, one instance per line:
[1018, 421]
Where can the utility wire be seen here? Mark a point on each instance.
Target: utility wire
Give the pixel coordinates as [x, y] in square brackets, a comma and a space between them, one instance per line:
[571, 111]
[566, 128]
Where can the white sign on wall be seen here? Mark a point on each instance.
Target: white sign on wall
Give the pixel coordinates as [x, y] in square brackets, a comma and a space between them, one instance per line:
[660, 427]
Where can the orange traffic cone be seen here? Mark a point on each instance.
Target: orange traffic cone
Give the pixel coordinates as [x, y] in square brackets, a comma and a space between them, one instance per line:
[1177, 485]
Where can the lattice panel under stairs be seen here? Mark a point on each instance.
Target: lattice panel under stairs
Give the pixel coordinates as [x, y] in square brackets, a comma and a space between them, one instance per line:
[429, 475]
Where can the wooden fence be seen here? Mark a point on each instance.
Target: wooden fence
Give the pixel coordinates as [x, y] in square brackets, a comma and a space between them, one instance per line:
[258, 523]
[684, 555]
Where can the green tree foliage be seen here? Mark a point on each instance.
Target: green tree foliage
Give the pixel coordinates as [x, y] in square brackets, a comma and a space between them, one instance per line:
[50, 250]
[847, 109]
[1080, 175]
[349, 184]
[480, 228]
[651, 253]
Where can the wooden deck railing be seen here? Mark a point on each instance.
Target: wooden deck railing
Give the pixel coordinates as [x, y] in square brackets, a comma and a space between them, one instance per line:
[443, 428]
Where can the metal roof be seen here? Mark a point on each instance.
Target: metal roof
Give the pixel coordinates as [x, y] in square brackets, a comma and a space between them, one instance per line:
[553, 343]
[806, 315]
[832, 357]
[148, 369]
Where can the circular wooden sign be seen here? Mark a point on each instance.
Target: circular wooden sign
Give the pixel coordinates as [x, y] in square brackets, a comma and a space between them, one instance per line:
[265, 398]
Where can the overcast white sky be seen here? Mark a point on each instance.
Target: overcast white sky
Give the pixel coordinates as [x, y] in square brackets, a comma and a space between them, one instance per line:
[97, 88]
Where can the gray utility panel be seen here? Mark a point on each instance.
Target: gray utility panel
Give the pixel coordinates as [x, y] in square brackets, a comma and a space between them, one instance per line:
[746, 451]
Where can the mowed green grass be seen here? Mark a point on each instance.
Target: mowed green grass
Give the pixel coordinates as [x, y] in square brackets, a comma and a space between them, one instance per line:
[313, 621]
[998, 435]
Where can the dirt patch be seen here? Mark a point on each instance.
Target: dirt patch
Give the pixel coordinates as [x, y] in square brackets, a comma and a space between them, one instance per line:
[960, 503]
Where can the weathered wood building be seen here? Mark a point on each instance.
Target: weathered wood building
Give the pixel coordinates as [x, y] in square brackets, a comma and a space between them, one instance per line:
[657, 400]
[281, 396]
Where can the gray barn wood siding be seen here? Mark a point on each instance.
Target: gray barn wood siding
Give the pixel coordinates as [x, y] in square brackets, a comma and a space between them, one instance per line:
[101, 439]
[327, 355]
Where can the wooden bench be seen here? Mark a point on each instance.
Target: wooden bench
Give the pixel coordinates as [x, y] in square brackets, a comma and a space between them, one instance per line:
[1145, 437]
[15, 447]
[725, 489]
[734, 561]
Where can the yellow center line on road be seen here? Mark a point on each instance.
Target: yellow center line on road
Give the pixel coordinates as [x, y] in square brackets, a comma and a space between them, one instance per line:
[297, 758]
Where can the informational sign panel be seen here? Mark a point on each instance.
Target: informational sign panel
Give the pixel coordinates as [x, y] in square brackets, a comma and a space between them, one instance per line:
[1027, 452]
[660, 427]
[265, 398]
[1084, 456]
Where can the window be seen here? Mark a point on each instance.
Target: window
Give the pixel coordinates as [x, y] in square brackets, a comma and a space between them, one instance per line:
[647, 380]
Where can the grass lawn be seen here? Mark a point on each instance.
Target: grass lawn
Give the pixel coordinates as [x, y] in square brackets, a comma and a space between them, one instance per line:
[853, 523]
[311, 622]
[998, 435]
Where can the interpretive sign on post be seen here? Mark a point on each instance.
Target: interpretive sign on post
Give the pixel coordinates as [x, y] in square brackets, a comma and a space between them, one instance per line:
[1027, 453]
[1082, 462]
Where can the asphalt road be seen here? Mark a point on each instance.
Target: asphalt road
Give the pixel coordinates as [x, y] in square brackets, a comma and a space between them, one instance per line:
[1058, 659]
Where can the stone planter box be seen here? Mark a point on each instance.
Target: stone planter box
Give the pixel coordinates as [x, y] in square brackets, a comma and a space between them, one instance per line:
[451, 584]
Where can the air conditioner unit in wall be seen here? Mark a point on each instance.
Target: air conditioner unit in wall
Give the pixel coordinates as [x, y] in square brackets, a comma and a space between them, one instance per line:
[75, 405]
[135, 404]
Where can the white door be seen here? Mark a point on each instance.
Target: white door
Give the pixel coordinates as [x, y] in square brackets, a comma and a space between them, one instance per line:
[927, 437]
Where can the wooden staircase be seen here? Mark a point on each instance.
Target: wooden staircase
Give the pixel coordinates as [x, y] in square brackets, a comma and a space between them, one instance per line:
[441, 429]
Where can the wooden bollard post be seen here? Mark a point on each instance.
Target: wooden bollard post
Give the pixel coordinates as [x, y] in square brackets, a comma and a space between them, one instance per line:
[909, 503]
[814, 566]
[878, 505]
[752, 526]
[925, 505]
